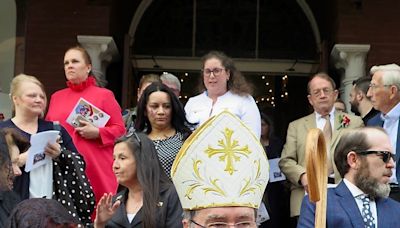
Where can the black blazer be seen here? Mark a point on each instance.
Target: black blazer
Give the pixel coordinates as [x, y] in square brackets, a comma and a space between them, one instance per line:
[169, 215]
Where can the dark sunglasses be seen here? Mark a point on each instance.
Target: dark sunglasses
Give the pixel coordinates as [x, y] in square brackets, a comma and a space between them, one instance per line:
[385, 155]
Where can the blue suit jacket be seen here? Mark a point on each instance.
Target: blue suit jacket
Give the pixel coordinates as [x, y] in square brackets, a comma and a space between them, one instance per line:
[377, 121]
[342, 211]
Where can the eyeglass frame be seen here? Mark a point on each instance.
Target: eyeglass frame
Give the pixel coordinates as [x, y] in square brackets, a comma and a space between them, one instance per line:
[252, 223]
[384, 155]
[373, 86]
[207, 72]
[317, 92]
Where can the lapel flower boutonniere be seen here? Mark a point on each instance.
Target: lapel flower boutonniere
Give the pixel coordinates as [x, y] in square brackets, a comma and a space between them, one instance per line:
[344, 121]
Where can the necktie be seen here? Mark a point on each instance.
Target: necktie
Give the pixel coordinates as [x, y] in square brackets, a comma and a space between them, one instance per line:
[327, 129]
[366, 211]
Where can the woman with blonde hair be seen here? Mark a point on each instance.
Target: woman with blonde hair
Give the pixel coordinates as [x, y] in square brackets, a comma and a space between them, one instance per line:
[63, 178]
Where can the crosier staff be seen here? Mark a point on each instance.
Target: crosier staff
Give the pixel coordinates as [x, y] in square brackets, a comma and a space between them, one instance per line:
[317, 174]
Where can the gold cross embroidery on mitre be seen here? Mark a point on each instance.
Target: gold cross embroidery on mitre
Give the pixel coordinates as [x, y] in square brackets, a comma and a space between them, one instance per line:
[230, 150]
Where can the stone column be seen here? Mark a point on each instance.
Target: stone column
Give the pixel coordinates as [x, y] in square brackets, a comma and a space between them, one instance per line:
[102, 51]
[350, 60]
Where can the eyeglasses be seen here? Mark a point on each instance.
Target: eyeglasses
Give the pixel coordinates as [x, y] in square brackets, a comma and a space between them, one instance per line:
[318, 92]
[373, 86]
[244, 224]
[215, 71]
[385, 155]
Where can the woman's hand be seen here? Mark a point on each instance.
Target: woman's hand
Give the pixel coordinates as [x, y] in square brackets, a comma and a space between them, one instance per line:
[105, 210]
[88, 130]
[22, 159]
[53, 150]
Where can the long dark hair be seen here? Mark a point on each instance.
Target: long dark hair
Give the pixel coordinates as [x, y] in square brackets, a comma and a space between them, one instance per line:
[8, 138]
[5, 163]
[150, 174]
[178, 116]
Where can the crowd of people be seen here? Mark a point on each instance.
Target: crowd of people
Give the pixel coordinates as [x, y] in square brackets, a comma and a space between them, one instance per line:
[154, 165]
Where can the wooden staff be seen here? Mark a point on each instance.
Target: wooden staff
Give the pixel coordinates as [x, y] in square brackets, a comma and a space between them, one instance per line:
[317, 174]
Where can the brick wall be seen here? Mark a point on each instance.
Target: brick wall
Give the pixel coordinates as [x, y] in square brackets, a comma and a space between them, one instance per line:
[52, 27]
[375, 23]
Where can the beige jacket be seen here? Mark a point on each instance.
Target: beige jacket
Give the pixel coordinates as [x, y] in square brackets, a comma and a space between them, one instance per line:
[292, 161]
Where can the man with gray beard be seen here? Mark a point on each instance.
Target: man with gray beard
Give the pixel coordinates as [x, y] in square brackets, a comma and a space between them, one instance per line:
[364, 160]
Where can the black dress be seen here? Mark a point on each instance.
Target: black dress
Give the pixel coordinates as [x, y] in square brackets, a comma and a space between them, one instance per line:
[277, 194]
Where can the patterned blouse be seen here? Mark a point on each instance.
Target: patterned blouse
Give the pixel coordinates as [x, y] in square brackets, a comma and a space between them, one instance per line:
[167, 150]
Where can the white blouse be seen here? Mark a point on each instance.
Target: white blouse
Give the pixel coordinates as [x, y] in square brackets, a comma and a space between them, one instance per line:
[200, 108]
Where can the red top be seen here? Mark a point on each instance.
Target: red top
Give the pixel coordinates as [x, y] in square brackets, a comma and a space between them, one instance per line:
[96, 152]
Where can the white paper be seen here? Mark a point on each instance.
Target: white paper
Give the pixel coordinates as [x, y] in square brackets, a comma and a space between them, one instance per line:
[36, 155]
[262, 214]
[84, 110]
[275, 173]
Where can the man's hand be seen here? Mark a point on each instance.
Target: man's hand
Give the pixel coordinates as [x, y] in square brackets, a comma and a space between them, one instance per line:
[304, 181]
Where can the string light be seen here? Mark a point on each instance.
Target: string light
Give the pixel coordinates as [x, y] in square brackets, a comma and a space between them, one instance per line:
[269, 97]
[267, 81]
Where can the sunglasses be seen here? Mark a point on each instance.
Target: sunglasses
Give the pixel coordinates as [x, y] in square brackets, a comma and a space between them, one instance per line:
[132, 132]
[385, 155]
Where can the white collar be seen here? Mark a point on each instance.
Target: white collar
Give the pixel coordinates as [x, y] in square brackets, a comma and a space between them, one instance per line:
[331, 114]
[355, 191]
[393, 114]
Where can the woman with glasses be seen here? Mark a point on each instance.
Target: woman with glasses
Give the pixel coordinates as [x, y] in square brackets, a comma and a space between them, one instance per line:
[224, 88]
[148, 198]
[161, 116]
